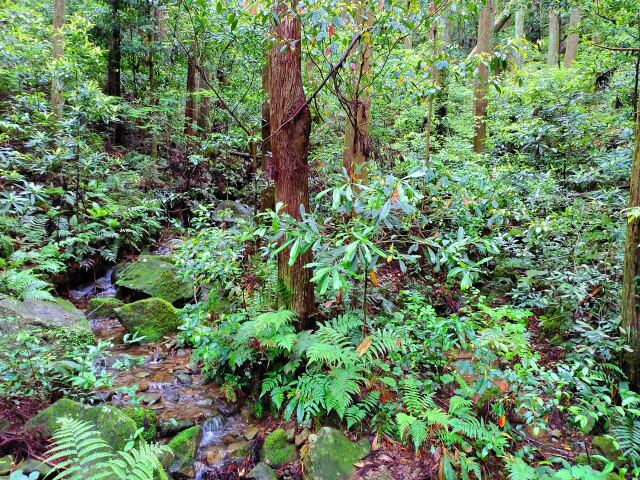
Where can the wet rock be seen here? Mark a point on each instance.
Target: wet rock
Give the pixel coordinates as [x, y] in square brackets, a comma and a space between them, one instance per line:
[183, 378]
[238, 211]
[204, 403]
[103, 307]
[237, 450]
[182, 352]
[145, 419]
[251, 432]
[302, 437]
[276, 451]
[152, 318]
[332, 456]
[102, 396]
[114, 426]
[173, 426]
[227, 409]
[32, 465]
[184, 447]
[262, 471]
[151, 398]
[290, 434]
[153, 276]
[58, 313]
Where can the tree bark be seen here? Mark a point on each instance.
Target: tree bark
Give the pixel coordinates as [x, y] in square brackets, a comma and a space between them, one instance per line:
[290, 148]
[357, 142]
[520, 18]
[435, 79]
[481, 88]
[553, 52]
[498, 24]
[204, 108]
[57, 86]
[191, 107]
[573, 38]
[113, 87]
[629, 306]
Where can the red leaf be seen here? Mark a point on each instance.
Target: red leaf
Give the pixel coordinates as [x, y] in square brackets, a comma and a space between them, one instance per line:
[332, 30]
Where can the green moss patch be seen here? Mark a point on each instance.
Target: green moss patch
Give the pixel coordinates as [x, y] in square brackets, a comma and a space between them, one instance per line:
[276, 451]
[104, 307]
[152, 318]
[183, 446]
[144, 418]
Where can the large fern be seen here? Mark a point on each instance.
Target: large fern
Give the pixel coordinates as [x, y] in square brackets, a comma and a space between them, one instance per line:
[84, 455]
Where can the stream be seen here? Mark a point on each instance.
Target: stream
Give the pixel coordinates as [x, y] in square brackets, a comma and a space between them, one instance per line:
[168, 384]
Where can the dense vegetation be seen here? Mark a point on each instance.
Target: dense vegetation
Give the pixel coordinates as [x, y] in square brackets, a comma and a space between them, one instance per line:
[320, 239]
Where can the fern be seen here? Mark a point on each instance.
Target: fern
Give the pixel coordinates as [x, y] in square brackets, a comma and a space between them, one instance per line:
[519, 470]
[24, 285]
[355, 414]
[85, 455]
[627, 435]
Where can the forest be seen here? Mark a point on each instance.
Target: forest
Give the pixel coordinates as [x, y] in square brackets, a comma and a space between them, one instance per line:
[319, 239]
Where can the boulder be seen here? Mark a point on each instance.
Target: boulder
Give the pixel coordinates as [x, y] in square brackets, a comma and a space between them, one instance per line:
[144, 418]
[184, 447]
[114, 426]
[6, 246]
[277, 451]
[608, 447]
[152, 318]
[153, 276]
[332, 456]
[262, 471]
[101, 307]
[40, 313]
[239, 211]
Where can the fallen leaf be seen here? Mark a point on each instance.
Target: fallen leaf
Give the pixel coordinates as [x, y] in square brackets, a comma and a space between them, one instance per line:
[364, 346]
[374, 278]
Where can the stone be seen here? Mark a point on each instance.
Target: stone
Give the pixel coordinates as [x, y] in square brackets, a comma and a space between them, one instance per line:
[290, 434]
[101, 307]
[183, 447]
[607, 447]
[251, 432]
[262, 471]
[151, 397]
[31, 465]
[183, 378]
[332, 456]
[238, 450]
[239, 211]
[276, 451]
[41, 313]
[153, 276]
[114, 426]
[152, 318]
[145, 419]
[302, 437]
[174, 426]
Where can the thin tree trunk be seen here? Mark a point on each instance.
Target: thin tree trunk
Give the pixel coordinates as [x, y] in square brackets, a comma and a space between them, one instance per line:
[114, 56]
[290, 148]
[191, 107]
[520, 18]
[481, 88]
[357, 142]
[442, 95]
[435, 78]
[204, 109]
[554, 38]
[573, 38]
[630, 311]
[153, 37]
[57, 86]
[408, 40]
[498, 24]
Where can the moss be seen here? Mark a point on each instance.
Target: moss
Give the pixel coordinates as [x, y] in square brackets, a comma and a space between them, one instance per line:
[6, 246]
[151, 318]
[104, 307]
[65, 340]
[144, 418]
[155, 276]
[331, 456]
[183, 446]
[277, 451]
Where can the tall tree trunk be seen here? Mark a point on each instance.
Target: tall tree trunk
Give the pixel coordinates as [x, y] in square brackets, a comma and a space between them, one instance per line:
[57, 85]
[520, 17]
[553, 53]
[498, 24]
[191, 107]
[204, 109]
[408, 40]
[114, 57]
[442, 95]
[357, 142]
[153, 38]
[435, 79]
[481, 88]
[573, 38]
[630, 305]
[290, 147]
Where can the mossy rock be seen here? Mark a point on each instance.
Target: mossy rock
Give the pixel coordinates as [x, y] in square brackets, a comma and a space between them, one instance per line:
[114, 426]
[262, 471]
[6, 246]
[104, 307]
[277, 451]
[154, 276]
[41, 313]
[608, 448]
[145, 418]
[152, 318]
[332, 456]
[184, 447]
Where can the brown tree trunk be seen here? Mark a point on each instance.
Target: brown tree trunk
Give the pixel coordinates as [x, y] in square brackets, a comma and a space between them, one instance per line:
[520, 17]
[114, 57]
[553, 52]
[57, 85]
[290, 147]
[481, 88]
[442, 96]
[435, 79]
[204, 109]
[498, 24]
[573, 39]
[191, 107]
[357, 142]
[629, 308]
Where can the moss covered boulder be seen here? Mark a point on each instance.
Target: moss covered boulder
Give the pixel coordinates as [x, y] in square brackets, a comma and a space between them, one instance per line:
[152, 318]
[277, 451]
[146, 419]
[183, 447]
[262, 471]
[332, 456]
[104, 307]
[609, 448]
[153, 276]
[40, 313]
[114, 426]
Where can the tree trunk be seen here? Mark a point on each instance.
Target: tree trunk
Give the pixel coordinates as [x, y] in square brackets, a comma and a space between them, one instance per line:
[498, 24]
[573, 38]
[630, 311]
[554, 38]
[290, 147]
[408, 40]
[435, 79]
[357, 142]
[57, 85]
[481, 88]
[191, 107]
[115, 53]
[520, 17]
[442, 95]
[204, 109]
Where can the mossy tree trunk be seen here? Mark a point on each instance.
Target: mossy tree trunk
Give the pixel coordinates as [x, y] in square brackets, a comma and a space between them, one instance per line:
[191, 107]
[553, 51]
[481, 88]
[57, 85]
[290, 122]
[573, 39]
